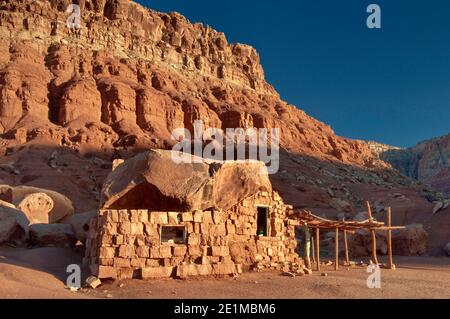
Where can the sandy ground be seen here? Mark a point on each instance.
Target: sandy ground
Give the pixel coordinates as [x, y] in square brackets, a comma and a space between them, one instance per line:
[36, 273]
[40, 273]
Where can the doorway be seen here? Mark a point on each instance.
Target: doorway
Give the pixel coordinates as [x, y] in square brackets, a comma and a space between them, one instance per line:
[263, 221]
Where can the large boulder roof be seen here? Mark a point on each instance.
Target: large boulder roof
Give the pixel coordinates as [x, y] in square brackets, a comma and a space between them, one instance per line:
[154, 180]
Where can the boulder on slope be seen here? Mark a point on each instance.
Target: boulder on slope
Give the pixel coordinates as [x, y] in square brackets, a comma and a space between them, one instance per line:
[52, 235]
[166, 180]
[13, 225]
[62, 206]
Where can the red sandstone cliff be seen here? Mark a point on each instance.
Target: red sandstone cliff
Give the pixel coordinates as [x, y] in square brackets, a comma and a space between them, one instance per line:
[138, 73]
[68, 104]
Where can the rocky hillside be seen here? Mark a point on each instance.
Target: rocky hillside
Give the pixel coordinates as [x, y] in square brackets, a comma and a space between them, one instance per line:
[70, 104]
[428, 162]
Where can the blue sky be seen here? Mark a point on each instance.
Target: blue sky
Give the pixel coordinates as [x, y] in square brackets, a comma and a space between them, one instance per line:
[390, 85]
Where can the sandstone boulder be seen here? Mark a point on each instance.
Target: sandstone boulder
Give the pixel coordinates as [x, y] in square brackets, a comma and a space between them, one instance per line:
[405, 242]
[6, 193]
[6, 204]
[93, 282]
[52, 235]
[379, 207]
[447, 249]
[446, 204]
[13, 225]
[62, 206]
[36, 207]
[362, 216]
[361, 244]
[341, 205]
[80, 224]
[441, 205]
[9, 168]
[116, 163]
[437, 207]
[155, 181]
[410, 241]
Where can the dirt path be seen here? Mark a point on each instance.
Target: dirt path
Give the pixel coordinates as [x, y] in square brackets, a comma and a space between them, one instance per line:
[40, 273]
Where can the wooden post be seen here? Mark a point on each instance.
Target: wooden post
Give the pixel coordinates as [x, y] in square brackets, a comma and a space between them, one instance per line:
[390, 263]
[369, 211]
[313, 251]
[374, 248]
[374, 236]
[336, 249]
[318, 248]
[347, 259]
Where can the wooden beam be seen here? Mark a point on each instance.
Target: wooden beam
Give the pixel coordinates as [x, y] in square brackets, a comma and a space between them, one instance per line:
[390, 262]
[318, 248]
[336, 249]
[388, 228]
[347, 259]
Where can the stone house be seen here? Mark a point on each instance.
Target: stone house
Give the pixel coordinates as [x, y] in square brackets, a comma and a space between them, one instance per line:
[160, 219]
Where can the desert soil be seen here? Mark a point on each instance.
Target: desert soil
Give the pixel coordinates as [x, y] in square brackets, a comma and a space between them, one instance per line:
[40, 273]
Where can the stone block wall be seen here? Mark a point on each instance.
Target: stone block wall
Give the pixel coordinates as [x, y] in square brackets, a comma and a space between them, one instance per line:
[278, 250]
[127, 243]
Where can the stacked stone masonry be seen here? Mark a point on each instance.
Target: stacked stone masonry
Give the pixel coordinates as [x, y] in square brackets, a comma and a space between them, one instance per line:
[125, 244]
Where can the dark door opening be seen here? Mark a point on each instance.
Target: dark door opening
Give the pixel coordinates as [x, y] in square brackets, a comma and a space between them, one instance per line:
[263, 221]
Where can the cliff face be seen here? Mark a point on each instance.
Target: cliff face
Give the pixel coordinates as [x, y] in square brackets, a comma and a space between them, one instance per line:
[71, 103]
[135, 75]
[428, 162]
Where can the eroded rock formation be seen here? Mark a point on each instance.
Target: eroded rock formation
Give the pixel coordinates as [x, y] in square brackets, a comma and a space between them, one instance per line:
[70, 105]
[134, 75]
[153, 180]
